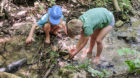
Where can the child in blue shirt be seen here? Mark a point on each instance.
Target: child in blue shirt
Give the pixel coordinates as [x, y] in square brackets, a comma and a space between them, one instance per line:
[51, 21]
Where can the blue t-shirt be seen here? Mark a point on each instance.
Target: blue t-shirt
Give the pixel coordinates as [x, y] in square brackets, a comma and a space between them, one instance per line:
[44, 19]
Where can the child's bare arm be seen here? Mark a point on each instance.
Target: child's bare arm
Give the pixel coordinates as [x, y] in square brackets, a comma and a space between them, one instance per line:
[64, 27]
[30, 37]
[81, 43]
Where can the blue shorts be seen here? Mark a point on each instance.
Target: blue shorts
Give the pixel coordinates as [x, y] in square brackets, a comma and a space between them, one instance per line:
[113, 22]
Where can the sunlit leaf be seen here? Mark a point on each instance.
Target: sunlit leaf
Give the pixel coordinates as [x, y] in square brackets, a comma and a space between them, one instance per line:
[131, 65]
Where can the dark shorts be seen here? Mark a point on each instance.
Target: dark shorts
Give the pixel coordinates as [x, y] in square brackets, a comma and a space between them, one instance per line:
[113, 22]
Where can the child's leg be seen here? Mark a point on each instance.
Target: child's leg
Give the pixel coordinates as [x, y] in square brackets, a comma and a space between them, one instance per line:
[47, 29]
[92, 42]
[93, 39]
[55, 31]
[99, 39]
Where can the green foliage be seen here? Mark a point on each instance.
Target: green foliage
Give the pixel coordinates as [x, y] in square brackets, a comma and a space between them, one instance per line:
[125, 51]
[103, 3]
[82, 66]
[54, 54]
[126, 3]
[71, 67]
[85, 66]
[106, 73]
[133, 65]
[51, 2]
[41, 7]
[125, 6]
[95, 72]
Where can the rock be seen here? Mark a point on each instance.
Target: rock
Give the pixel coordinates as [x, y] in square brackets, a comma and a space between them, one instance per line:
[78, 75]
[105, 65]
[69, 73]
[62, 63]
[5, 39]
[132, 19]
[1, 24]
[14, 66]
[28, 18]
[21, 13]
[66, 72]
[8, 75]
[17, 25]
[119, 23]
[74, 1]
[1, 33]
[3, 70]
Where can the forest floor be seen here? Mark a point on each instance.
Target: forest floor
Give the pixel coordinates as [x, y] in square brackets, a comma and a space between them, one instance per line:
[51, 61]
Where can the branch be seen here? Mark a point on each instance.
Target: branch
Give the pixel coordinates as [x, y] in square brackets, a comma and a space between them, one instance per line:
[48, 72]
[115, 2]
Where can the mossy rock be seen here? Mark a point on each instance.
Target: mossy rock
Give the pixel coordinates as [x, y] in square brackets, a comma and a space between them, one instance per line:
[65, 73]
[119, 23]
[8, 75]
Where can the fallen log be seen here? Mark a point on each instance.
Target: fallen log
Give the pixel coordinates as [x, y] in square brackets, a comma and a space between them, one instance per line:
[13, 67]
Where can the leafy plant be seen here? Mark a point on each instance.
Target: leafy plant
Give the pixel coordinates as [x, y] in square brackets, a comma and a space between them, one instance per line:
[51, 2]
[71, 67]
[126, 3]
[124, 51]
[86, 66]
[133, 65]
[82, 66]
[95, 72]
[41, 7]
[54, 54]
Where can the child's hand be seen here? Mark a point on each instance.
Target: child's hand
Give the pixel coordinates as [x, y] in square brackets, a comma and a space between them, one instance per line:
[72, 51]
[29, 40]
[65, 29]
[59, 35]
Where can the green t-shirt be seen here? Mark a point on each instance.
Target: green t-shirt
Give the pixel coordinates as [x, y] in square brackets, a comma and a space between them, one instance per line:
[95, 18]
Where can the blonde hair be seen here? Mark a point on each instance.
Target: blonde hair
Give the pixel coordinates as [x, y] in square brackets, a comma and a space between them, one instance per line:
[74, 27]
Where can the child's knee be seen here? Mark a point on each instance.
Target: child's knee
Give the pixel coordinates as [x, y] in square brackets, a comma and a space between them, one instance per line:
[98, 41]
[47, 27]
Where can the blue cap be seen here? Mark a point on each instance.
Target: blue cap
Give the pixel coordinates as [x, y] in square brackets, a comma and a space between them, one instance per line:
[55, 14]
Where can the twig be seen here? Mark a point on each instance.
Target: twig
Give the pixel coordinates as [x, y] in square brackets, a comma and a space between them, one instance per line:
[34, 58]
[48, 72]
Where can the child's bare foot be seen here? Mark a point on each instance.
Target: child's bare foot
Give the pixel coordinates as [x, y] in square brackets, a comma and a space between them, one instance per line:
[89, 54]
[96, 60]
[47, 41]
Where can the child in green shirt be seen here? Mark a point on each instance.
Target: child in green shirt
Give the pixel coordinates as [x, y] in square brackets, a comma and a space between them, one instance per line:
[95, 24]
